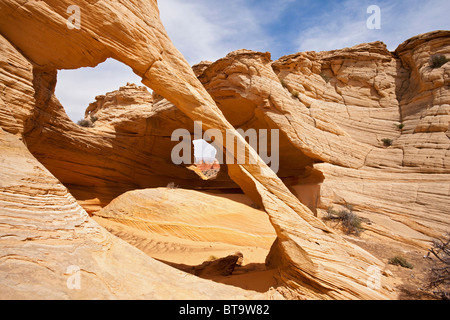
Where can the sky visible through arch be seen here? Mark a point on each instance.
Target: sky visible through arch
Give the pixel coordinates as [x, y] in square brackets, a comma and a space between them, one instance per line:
[209, 29]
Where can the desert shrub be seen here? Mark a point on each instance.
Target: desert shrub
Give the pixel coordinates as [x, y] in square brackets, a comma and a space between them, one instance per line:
[387, 142]
[295, 93]
[438, 60]
[400, 126]
[350, 222]
[400, 261]
[439, 274]
[86, 123]
[283, 83]
[172, 185]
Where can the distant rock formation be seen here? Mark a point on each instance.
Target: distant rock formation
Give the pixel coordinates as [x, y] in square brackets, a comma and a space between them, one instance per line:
[117, 105]
[209, 169]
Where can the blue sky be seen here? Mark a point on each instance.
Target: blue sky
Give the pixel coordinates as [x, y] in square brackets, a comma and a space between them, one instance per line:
[209, 29]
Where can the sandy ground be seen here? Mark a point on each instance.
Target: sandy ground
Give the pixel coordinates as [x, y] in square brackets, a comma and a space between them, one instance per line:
[184, 254]
[409, 284]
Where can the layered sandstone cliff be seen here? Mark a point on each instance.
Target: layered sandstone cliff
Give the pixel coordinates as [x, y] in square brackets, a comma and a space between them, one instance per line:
[335, 109]
[51, 249]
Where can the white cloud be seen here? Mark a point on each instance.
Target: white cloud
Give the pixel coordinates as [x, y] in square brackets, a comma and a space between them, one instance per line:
[345, 25]
[414, 17]
[192, 33]
[208, 30]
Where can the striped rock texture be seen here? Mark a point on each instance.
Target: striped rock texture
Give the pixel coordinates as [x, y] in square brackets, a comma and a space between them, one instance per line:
[335, 109]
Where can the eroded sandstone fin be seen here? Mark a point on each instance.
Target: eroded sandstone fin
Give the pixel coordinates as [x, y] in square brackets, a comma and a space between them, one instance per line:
[315, 261]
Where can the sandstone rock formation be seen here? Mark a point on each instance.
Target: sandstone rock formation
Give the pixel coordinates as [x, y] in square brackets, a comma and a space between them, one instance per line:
[128, 147]
[47, 239]
[191, 215]
[314, 262]
[207, 170]
[108, 109]
[223, 266]
[55, 231]
[360, 95]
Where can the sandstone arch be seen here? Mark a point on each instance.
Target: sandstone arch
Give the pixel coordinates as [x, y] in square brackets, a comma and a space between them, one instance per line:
[315, 262]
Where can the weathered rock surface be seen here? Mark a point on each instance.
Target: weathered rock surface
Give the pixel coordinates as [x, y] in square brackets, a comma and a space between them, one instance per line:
[222, 266]
[314, 261]
[47, 240]
[410, 208]
[119, 108]
[362, 95]
[36, 247]
[128, 147]
[192, 215]
[16, 85]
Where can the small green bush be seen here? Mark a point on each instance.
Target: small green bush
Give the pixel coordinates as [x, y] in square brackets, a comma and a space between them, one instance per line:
[400, 126]
[85, 123]
[349, 221]
[400, 261]
[387, 142]
[283, 83]
[438, 60]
